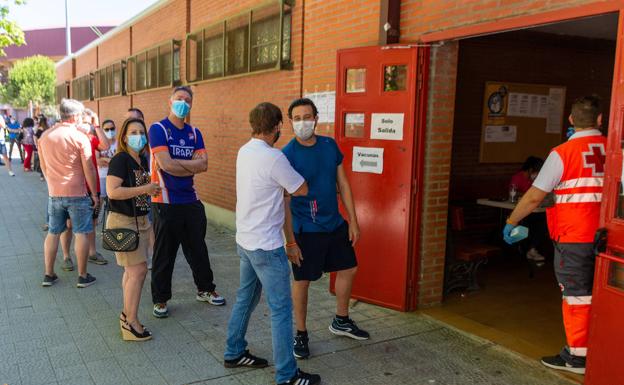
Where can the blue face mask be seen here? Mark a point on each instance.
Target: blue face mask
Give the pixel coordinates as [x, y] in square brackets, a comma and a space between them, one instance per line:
[180, 108]
[137, 142]
[570, 132]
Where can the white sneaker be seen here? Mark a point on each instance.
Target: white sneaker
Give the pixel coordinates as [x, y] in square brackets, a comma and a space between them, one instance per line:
[11, 173]
[534, 255]
[212, 297]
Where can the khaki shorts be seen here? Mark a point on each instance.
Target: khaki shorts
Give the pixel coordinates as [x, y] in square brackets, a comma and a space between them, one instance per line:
[131, 258]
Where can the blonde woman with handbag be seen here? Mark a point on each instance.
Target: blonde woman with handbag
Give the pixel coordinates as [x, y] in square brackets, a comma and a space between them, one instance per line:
[127, 224]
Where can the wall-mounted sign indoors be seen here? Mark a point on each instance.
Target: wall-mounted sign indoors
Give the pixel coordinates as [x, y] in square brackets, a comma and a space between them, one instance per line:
[387, 126]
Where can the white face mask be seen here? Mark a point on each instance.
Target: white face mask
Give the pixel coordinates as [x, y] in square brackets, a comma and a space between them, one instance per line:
[304, 129]
[110, 134]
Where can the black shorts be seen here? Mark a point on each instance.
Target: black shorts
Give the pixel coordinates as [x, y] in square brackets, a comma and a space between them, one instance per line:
[324, 252]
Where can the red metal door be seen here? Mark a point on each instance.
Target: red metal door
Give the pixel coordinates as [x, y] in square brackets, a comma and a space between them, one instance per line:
[606, 338]
[377, 115]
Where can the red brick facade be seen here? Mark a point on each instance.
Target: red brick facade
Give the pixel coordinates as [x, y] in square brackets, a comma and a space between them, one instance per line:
[319, 28]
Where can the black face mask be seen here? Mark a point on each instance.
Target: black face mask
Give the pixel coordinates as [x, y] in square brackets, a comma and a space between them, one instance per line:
[277, 136]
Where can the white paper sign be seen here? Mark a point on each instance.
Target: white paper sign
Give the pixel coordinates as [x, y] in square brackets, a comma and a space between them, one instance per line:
[500, 134]
[367, 159]
[326, 104]
[387, 126]
[556, 100]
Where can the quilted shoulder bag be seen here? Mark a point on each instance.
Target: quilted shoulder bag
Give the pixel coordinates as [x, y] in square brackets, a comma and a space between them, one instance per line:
[120, 239]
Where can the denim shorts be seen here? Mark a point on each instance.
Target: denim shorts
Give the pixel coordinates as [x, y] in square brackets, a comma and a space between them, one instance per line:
[3, 149]
[78, 209]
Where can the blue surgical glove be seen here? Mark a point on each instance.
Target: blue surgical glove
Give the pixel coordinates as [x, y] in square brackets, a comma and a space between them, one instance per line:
[507, 233]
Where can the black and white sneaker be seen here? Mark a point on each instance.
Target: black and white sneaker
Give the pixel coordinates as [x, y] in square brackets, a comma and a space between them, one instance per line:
[303, 378]
[301, 349]
[246, 360]
[86, 281]
[557, 362]
[49, 280]
[348, 328]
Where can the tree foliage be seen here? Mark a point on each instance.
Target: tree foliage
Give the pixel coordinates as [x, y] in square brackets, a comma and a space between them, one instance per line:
[10, 32]
[31, 78]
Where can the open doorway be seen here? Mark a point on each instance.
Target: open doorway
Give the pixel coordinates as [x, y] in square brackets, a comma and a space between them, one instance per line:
[517, 303]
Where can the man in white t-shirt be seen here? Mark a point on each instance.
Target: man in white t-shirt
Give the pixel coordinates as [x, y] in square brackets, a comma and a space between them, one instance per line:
[3, 149]
[263, 176]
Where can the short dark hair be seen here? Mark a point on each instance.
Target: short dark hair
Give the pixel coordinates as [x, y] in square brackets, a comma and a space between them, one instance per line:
[108, 121]
[264, 117]
[585, 111]
[532, 163]
[186, 89]
[138, 111]
[302, 102]
[28, 122]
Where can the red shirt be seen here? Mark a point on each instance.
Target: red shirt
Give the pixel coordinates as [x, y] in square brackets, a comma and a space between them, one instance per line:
[522, 181]
[95, 143]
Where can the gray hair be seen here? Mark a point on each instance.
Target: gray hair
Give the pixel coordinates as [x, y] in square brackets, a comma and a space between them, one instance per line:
[70, 108]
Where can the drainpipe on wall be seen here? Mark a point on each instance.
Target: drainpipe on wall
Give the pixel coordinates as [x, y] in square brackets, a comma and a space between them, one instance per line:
[389, 21]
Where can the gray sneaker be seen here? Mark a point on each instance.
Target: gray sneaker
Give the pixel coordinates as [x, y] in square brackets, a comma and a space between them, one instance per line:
[98, 259]
[68, 265]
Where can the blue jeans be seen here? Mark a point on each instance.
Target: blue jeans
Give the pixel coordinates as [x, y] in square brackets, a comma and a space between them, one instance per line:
[78, 209]
[270, 269]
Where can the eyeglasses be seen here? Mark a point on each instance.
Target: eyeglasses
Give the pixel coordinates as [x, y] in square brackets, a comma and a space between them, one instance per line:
[109, 129]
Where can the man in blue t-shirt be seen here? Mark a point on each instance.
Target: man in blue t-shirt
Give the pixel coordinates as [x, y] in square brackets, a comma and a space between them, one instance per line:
[178, 153]
[316, 234]
[14, 129]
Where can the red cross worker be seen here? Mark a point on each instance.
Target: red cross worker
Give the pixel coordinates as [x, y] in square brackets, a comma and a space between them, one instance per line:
[574, 174]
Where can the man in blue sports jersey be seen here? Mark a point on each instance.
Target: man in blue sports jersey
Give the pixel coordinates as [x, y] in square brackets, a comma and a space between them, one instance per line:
[318, 238]
[178, 153]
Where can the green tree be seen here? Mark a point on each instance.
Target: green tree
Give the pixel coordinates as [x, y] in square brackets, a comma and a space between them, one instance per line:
[10, 32]
[31, 78]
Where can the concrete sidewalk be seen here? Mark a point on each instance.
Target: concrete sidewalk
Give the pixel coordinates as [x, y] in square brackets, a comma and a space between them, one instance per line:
[64, 335]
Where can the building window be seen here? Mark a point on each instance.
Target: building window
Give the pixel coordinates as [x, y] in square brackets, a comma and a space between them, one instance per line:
[253, 41]
[82, 88]
[61, 92]
[109, 80]
[154, 68]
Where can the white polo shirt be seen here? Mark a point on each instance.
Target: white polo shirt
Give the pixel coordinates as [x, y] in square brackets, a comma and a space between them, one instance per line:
[262, 175]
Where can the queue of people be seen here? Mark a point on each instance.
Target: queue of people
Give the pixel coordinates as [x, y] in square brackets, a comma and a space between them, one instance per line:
[145, 177]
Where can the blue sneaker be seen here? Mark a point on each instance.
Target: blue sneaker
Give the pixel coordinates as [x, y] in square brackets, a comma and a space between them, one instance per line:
[160, 310]
[85, 281]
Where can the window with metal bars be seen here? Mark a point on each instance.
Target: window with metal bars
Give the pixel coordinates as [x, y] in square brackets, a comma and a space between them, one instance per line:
[109, 80]
[82, 87]
[155, 67]
[61, 92]
[256, 40]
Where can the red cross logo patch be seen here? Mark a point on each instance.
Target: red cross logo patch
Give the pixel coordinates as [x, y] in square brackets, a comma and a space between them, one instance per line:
[595, 159]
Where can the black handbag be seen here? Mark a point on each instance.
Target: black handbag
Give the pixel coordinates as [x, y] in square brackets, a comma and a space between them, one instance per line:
[120, 239]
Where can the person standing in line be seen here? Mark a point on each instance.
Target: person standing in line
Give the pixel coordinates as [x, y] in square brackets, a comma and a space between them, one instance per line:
[99, 142]
[574, 172]
[318, 238]
[42, 126]
[178, 153]
[28, 142]
[66, 163]
[105, 156]
[128, 186]
[263, 175]
[14, 137]
[3, 149]
[135, 113]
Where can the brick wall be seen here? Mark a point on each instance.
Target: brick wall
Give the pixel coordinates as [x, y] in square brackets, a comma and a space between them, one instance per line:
[439, 131]
[65, 72]
[114, 49]
[425, 16]
[86, 62]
